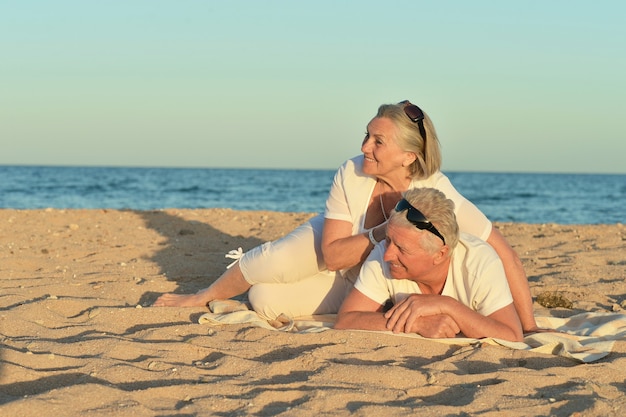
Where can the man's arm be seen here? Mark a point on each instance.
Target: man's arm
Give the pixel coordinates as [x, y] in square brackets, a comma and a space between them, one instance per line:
[502, 324]
[358, 311]
[406, 316]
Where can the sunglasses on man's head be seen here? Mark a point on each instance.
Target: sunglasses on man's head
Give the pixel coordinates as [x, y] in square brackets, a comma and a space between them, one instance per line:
[417, 218]
[417, 116]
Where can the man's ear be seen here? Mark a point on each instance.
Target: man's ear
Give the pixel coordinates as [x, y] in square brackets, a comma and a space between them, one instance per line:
[441, 255]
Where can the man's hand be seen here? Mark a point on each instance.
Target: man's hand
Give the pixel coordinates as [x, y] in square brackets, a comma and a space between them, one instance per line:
[436, 327]
[404, 316]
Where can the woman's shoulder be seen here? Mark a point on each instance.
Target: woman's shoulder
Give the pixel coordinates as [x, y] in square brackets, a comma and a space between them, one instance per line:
[474, 251]
[355, 163]
[442, 183]
[351, 179]
[435, 181]
[353, 167]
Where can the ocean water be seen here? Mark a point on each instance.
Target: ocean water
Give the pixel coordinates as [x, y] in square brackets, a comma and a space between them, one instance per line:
[516, 197]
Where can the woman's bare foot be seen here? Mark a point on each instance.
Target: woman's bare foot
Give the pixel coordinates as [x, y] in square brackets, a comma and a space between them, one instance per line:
[229, 284]
[180, 300]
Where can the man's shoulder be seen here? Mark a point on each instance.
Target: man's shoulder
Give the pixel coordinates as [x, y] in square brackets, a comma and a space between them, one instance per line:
[372, 280]
[375, 270]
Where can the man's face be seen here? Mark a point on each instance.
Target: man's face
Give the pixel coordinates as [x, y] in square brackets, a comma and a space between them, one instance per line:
[404, 254]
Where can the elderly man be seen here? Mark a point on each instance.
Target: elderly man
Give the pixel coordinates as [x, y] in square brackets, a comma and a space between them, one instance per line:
[441, 283]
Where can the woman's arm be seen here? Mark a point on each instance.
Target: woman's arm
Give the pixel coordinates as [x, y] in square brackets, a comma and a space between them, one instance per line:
[341, 249]
[516, 277]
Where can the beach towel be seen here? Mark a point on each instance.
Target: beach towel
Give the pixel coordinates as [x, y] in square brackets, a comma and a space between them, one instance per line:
[585, 337]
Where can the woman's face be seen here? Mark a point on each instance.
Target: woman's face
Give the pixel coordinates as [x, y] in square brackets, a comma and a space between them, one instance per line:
[383, 155]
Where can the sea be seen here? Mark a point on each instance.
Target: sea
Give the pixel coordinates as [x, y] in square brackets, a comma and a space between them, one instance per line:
[504, 197]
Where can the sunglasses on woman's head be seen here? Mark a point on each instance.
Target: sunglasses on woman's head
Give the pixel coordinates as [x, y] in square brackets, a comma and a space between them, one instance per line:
[417, 218]
[417, 116]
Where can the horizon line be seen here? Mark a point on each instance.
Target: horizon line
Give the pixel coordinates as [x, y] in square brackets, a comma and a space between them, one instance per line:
[113, 166]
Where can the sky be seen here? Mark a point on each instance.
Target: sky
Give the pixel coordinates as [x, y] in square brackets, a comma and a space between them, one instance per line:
[533, 86]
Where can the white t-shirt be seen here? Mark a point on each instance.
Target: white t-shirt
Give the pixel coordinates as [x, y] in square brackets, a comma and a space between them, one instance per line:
[352, 190]
[476, 278]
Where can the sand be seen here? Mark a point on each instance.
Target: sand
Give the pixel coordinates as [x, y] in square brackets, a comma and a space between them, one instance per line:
[78, 335]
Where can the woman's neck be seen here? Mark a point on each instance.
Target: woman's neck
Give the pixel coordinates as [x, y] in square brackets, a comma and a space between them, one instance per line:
[397, 185]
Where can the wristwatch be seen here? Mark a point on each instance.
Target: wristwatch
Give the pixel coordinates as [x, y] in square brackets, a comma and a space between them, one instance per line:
[370, 234]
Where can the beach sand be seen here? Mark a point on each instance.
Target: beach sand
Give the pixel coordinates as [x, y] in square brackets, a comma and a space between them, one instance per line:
[78, 335]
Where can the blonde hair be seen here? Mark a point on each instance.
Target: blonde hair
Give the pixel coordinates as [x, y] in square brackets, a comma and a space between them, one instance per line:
[438, 209]
[410, 140]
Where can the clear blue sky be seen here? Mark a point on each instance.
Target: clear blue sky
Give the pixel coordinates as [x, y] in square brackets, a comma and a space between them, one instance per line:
[532, 86]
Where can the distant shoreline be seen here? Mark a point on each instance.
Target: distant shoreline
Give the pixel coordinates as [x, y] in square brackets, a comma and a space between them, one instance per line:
[301, 214]
[526, 198]
[274, 168]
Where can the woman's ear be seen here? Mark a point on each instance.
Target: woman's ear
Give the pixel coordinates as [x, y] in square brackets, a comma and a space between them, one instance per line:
[409, 159]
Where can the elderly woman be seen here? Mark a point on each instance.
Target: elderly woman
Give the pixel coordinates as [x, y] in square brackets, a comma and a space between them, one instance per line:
[311, 270]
